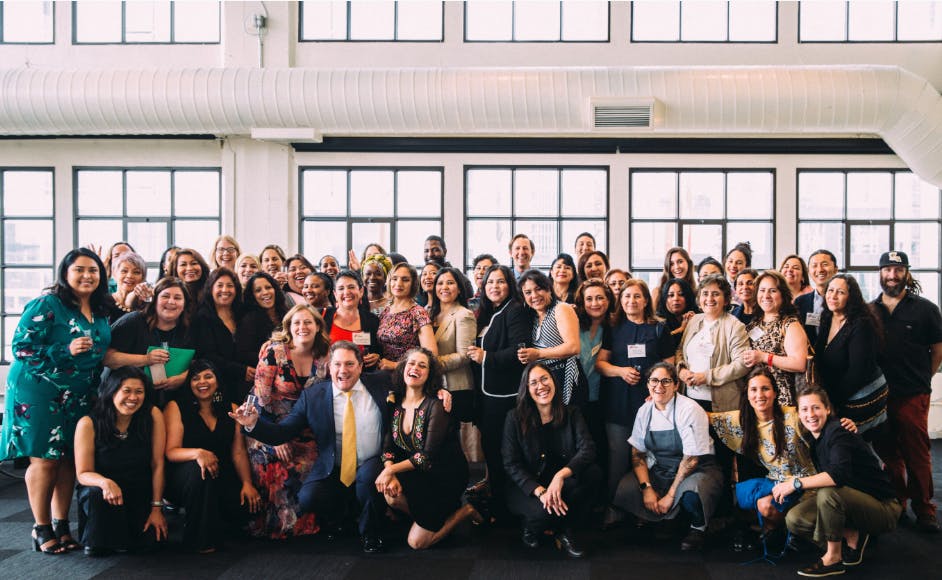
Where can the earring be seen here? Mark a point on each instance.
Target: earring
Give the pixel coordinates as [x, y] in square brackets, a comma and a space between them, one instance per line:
[217, 397]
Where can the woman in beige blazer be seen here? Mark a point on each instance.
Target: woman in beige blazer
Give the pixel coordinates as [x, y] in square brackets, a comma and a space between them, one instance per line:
[455, 330]
[710, 354]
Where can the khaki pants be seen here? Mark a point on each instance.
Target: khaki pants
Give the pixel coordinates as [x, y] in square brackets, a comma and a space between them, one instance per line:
[822, 515]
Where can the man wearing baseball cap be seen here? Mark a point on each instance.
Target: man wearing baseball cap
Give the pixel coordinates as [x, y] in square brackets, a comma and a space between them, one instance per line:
[912, 354]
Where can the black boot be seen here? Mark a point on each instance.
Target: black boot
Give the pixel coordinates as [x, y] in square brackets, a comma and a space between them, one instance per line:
[566, 544]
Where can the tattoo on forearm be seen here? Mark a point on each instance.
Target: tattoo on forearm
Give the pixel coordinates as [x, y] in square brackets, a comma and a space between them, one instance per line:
[687, 466]
[637, 458]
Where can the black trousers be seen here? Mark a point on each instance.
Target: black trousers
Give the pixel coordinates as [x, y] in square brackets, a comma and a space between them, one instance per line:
[493, 415]
[578, 493]
[115, 527]
[212, 505]
[330, 499]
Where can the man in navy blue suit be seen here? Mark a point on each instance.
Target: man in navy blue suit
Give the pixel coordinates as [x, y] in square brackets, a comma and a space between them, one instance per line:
[822, 266]
[326, 408]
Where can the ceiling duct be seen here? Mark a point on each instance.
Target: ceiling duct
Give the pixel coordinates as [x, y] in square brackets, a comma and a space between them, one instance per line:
[771, 101]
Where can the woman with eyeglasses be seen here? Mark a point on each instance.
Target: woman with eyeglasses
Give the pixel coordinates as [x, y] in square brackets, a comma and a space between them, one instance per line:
[225, 252]
[674, 431]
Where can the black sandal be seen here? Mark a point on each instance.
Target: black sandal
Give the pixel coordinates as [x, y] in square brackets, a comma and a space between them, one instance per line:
[64, 535]
[42, 534]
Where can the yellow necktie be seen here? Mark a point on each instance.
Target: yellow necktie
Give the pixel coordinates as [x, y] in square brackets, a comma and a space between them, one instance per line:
[348, 455]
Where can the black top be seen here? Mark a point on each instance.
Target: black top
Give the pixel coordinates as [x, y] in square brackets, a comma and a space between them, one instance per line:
[849, 362]
[215, 343]
[253, 330]
[914, 326]
[849, 461]
[369, 323]
[499, 375]
[433, 441]
[131, 335]
[739, 313]
[525, 456]
[196, 434]
[127, 462]
[621, 401]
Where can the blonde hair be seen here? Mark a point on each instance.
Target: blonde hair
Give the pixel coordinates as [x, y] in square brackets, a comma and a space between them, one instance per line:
[321, 339]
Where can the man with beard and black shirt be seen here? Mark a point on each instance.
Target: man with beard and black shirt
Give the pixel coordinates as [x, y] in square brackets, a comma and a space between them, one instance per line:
[913, 353]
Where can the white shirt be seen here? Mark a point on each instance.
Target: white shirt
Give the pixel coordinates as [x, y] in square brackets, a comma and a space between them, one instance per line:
[369, 422]
[699, 356]
[692, 423]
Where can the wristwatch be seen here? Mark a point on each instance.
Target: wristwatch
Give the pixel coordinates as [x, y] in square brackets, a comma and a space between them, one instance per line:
[797, 483]
[644, 485]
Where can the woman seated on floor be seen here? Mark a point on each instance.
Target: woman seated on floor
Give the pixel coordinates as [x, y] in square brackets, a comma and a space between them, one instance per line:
[854, 497]
[673, 468]
[119, 460]
[424, 471]
[549, 459]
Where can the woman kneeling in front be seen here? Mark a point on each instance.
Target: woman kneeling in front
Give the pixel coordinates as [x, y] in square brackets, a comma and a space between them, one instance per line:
[672, 460]
[853, 499]
[549, 459]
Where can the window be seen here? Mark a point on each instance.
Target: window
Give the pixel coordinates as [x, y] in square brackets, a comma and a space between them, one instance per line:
[876, 21]
[151, 208]
[705, 211]
[145, 22]
[412, 21]
[707, 21]
[551, 205]
[28, 241]
[345, 208]
[858, 215]
[535, 21]
[27, 23]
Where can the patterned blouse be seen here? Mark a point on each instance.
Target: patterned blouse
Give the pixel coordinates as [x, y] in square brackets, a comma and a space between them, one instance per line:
[399, 332]
[773, 340]
[430, 426]
[794, 462]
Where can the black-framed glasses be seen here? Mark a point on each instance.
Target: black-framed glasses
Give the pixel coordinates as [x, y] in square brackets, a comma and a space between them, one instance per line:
[654, 382]
[226, 250]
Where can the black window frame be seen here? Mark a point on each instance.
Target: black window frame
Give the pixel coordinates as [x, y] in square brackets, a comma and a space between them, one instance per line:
[846, 39]
[347, 38]
[29, 42]
[125, 42]
[513, 29]
[680, 31]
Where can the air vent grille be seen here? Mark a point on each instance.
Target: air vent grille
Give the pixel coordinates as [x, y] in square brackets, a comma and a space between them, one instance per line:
[619, 116]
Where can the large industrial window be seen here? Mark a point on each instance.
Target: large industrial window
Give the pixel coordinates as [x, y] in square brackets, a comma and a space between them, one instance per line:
[879, 21]
[151, 208]
[536, 21]
[551, 205]
[27, 239]
[858, 215]
[346, 207]
[411, 21]
[706, 211]
[27, 23]
[145, 22]
[710, 21]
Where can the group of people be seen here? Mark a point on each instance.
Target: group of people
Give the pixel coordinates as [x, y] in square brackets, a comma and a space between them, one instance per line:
[280, 397]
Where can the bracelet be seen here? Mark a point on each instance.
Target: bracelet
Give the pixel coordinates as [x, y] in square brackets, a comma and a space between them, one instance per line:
[541, 493]
[157, 504]
[770, 360]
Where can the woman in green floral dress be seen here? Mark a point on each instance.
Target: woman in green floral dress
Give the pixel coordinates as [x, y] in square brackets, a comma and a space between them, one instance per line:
[58, 348]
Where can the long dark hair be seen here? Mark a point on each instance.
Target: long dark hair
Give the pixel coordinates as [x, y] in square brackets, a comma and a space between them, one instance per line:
[150, 311]
[433, 384]
[690, 299]
[787, 308]
[528, 416]
[666, 274]
[857, 311]
[208, 303]
[542, 282]
[100, 299]
[750, 423]
[195, 288]
[573, 282]
[220, 405]
[585, 322]
[281, 305]
[436, 307]
[104, 416]
[487, 308]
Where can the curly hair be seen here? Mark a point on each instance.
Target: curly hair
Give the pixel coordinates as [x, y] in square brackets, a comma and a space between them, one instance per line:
[434, 382]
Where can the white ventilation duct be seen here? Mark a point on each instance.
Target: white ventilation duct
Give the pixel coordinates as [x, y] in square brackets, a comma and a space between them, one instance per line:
[885, 101]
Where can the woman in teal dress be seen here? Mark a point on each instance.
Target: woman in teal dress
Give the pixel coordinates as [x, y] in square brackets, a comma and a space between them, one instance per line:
[58, 348]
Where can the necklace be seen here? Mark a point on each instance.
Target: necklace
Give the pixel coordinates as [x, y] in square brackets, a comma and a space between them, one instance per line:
[121, 435]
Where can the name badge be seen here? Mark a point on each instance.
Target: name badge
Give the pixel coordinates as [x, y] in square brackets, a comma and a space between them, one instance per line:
[637, 351]
[755, 334]
[813, 319]
[596, 349]
[361, 338]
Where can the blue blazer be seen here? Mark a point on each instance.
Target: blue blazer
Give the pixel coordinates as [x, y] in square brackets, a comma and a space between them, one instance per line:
[315, 409]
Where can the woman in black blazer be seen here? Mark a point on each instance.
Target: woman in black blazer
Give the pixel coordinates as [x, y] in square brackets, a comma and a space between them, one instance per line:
[549, 458]
[503, 325]
[214, 328]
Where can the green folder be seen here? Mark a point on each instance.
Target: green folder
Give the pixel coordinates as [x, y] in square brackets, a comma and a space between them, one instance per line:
[180, 359]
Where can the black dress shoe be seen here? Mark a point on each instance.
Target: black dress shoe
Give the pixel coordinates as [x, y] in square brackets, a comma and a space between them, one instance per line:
[565, 544]
[531, 539]
[820, 570]
[372, 544]
[693, 541]
[854, 556]
[97, 552]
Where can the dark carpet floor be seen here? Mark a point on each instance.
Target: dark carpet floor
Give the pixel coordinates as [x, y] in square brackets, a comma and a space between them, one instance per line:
[473, 553]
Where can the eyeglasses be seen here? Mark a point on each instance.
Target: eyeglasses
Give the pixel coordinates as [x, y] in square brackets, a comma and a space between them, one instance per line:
[544, 380]
[225, 250]
[653, 382]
